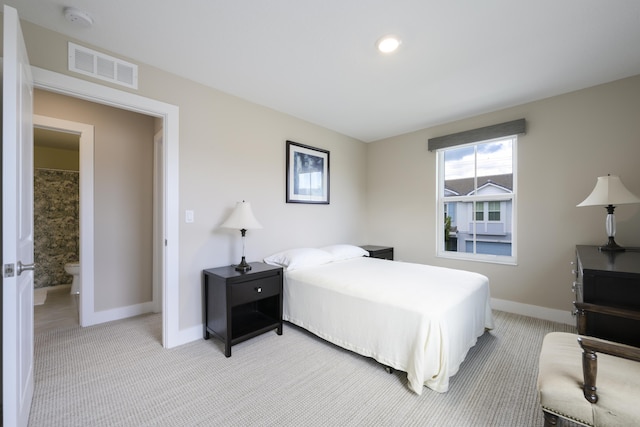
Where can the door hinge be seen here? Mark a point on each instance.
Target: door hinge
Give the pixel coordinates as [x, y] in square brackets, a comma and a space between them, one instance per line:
[9, 270]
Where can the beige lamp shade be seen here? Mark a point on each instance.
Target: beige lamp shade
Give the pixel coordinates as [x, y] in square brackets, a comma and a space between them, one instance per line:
[609, 190]
[242, 218]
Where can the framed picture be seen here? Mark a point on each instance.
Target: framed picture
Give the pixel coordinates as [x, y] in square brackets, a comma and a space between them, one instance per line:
[307, 174]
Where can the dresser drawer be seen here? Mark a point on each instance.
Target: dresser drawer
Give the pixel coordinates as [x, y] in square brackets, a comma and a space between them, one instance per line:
[253, 290]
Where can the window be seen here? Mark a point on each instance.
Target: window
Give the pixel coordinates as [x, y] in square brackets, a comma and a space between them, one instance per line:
[477, 200]
[494, 211]
[479, 211]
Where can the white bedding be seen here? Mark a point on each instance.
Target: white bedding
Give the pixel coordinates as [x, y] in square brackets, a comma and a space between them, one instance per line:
[416, 318]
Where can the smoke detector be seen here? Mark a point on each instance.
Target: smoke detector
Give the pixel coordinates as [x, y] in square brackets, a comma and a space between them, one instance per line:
[78, 17]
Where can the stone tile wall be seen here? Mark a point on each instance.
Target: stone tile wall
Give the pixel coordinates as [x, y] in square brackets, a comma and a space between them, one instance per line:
[56, 225]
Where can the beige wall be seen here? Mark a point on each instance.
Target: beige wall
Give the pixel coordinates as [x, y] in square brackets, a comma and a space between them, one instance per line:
[384, 192]
[231, 150]
[123, 191]
[55, 158]
[571, 140]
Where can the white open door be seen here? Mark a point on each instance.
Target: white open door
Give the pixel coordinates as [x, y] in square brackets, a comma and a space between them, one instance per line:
[17, 226]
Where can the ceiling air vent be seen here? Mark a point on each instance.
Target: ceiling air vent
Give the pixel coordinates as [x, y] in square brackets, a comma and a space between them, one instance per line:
[104, 67]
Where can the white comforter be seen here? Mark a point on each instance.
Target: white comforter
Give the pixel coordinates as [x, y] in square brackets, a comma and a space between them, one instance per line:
[415, 318]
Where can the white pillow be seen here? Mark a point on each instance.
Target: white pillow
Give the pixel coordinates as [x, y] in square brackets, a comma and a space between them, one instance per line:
[299, 258]
[342, 252]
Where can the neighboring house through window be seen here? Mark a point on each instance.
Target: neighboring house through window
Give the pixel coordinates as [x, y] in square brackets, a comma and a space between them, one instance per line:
[477, 194]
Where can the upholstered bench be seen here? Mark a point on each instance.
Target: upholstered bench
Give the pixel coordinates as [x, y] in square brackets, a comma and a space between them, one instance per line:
[561, 379]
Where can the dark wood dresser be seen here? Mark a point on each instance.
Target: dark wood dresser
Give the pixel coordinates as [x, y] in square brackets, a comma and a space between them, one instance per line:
[610, 279]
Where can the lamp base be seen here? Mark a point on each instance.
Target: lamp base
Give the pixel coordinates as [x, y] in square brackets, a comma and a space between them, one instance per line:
[243, 266]
[612, 246]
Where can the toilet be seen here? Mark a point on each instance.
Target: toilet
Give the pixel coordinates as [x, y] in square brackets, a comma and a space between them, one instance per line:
[73, 268]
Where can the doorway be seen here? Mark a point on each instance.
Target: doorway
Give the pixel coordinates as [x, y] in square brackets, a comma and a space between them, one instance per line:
[85, 133]
[118, 169]
[65, 138]
[168, 116]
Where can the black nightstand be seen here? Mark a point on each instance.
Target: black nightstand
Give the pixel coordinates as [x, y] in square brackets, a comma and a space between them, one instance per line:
[238, 306]
[382, 252]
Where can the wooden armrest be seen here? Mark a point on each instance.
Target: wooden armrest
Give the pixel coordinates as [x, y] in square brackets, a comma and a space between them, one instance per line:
[611, 311]
[590, 347]
[609, 347]
[583, 307]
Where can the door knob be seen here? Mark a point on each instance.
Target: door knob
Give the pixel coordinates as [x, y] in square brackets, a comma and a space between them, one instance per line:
[25, 267]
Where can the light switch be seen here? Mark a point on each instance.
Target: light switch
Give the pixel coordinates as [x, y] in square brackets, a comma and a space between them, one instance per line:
[188, 216]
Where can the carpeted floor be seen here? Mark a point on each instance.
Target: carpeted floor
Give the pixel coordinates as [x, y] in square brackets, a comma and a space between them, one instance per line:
[117, 374]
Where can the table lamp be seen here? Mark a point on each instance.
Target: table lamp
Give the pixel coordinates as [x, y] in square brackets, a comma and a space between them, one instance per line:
[609, 192]
[242, 219]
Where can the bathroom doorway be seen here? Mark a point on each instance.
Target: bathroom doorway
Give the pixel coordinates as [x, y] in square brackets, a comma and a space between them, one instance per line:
[63, 166]
[56, 231]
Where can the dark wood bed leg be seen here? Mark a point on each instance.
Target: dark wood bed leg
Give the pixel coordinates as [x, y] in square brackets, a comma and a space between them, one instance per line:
[550, 419]
[389, 369]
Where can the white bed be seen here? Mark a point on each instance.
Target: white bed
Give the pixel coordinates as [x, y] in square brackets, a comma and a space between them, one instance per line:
[416, 318]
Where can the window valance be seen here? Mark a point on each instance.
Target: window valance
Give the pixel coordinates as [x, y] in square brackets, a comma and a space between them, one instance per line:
[515, 127]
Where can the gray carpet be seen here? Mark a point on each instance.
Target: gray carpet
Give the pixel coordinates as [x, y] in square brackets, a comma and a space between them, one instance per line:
[117, 374]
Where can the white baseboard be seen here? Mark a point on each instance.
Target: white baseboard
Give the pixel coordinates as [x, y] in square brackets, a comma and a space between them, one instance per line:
[183, 336]
[560, 316]
[188, 335]
[98, 317]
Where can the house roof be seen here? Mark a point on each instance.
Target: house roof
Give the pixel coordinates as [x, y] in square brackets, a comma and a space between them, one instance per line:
[464, 186]
[316, 60]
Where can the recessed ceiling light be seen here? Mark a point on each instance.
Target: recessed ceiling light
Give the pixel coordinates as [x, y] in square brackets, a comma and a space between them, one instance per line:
[388, 44]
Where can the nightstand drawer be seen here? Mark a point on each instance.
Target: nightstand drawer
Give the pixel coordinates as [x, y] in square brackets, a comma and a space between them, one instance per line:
[254, 290]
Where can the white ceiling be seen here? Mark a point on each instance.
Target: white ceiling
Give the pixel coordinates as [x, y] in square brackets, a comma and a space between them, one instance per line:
[316, 60]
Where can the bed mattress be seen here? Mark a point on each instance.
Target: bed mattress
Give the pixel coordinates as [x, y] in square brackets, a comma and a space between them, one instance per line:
[416, 318]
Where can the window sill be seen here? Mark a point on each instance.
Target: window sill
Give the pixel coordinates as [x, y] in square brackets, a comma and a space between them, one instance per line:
[491, 259]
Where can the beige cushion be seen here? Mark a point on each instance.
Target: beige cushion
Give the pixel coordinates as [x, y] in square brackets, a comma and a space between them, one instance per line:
[560, 384]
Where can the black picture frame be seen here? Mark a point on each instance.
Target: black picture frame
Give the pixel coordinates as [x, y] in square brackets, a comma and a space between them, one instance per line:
[307, 174]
